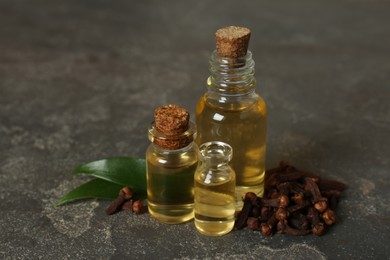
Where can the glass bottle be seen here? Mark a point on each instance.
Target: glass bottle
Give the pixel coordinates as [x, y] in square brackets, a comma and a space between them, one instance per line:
[170, 174]
[215, 184]
[231, 111]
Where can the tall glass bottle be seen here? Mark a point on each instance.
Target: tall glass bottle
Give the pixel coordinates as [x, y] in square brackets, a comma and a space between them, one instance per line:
[215, 183]
[231, 111]
[171, 161]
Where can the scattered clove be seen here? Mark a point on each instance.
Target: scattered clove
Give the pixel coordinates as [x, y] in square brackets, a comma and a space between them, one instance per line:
[138, 206]
[295, 202]
[124, 202]
[124, 194]
[128, 205]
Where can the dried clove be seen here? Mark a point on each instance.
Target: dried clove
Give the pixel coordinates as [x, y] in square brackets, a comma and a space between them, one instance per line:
[250, 196]
[243, 215]
[127, 205]
[281, 214]
[124, 202]
[295, 232]
[284, 228]
[284, 201]
[266, 228]
[124, 194]
[271, 202]
[256, 212]
[333, 197]
[299, 207]
[298, 198]
[318, 228]
[127, 193]
[295, 202]
[299, 221]
[329, 217]
[253, 223]
[273, 194]
[281, 226]
[138, 206]
[264, 214]
[115, 205]
[320, 203]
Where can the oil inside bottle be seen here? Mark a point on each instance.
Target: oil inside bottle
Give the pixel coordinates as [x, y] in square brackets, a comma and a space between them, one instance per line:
[170, 185]
[242, 124]
[214, 207]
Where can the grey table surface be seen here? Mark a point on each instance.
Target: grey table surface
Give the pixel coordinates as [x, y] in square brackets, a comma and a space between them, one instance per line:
[79, 81]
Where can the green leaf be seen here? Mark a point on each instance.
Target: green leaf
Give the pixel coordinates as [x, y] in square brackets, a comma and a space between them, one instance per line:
[96, 188]
[124, 171]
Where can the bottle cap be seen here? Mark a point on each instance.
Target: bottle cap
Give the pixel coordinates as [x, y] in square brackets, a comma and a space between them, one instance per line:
[171, 119]
[172, 122]
[232, 41]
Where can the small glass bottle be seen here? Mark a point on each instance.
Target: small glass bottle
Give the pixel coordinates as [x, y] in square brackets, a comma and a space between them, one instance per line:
[215, 184]
[231, 111]
[171, 161]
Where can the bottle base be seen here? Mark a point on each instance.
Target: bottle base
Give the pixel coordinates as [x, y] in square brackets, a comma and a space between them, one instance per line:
[172, 214]
[214, 228]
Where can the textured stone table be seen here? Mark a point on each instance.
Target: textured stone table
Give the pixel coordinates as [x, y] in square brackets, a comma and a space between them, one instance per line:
[79, 81]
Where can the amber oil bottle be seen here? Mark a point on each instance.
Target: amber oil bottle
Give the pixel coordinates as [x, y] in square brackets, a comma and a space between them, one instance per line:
[171, 161]
[215, 184]
[231, 111]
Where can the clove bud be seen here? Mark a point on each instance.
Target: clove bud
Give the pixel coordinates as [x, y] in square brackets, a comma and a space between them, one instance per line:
[329, 217]
[124, 194]
[253, 223]
[138, 206]
[124, 202]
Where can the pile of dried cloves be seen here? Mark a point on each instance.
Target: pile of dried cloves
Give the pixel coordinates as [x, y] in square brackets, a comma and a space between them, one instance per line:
[295, 202]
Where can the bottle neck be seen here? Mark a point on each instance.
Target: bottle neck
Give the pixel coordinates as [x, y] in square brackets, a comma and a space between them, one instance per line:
[182, 150]
[172, 142]
[215, 154]
[231, 77]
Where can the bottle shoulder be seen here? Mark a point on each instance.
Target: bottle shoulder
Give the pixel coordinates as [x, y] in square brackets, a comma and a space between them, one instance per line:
[252, 103]
[215, 176]
[172, 158]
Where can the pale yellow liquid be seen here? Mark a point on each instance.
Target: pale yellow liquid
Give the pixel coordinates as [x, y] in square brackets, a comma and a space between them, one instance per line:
[214, 206]
[243, 126]
[170, 185]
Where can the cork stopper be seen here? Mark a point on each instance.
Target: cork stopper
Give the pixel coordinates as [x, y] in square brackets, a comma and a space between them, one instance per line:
[232, 41]
[172, 121]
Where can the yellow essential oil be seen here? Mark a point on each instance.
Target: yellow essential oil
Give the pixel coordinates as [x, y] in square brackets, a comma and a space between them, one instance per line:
[170, 185]
[243, 126]
[214, 190]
